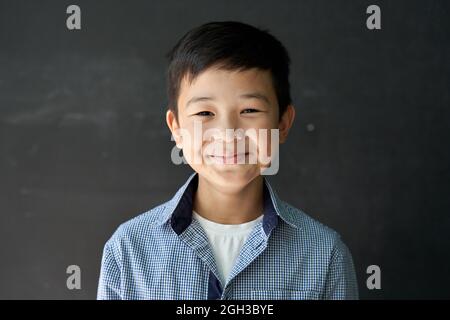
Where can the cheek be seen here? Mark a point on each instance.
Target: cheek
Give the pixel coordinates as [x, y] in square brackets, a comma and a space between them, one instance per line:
[264, 134]
[192, 144]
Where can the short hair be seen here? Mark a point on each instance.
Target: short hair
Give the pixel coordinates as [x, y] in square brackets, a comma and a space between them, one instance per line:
[228, 45]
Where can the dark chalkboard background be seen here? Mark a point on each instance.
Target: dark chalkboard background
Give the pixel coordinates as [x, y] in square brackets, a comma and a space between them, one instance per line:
[84, 145]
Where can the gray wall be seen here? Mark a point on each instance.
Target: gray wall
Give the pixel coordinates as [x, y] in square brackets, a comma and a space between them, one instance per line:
[84, 145]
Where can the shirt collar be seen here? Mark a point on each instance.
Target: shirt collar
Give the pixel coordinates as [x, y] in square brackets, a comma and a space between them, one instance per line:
[179, 209]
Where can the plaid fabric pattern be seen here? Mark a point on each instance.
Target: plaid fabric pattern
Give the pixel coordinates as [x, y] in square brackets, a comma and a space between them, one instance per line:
[165, 254]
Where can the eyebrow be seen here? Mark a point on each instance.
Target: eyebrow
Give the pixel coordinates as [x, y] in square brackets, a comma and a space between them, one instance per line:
[252, 95]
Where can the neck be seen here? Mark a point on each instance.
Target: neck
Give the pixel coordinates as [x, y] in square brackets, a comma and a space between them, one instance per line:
[239, 206]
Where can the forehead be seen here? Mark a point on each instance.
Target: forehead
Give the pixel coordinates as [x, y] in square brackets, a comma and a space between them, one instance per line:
[227, 84]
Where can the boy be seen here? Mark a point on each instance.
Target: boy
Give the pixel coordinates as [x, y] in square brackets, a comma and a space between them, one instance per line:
[226, 234]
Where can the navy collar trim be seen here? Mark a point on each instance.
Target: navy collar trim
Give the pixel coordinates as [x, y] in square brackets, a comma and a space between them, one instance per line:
[179, 208]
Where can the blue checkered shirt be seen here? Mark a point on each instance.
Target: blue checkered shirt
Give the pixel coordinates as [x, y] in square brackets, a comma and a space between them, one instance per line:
[165, 254]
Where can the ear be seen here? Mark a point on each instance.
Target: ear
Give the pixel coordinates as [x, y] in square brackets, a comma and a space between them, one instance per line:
[286, 122]
[174, 127]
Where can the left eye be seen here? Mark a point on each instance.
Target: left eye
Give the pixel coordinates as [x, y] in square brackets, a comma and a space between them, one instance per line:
[204, 113]
[249, 110]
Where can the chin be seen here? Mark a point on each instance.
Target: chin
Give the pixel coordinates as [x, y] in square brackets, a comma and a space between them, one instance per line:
[230, 177]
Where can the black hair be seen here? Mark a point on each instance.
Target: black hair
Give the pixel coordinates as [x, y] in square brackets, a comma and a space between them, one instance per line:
[229, 45]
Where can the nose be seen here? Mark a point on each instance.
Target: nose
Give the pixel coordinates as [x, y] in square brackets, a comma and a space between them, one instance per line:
[228, 135]
[228, 130]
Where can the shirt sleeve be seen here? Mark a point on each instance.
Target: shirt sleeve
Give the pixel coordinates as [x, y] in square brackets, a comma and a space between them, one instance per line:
[341, 282]
[109, 282]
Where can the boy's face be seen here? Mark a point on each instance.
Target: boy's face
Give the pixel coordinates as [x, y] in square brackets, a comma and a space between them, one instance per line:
[218, 100]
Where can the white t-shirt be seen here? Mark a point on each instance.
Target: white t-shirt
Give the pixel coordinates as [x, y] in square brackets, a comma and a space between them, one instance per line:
[226, 241]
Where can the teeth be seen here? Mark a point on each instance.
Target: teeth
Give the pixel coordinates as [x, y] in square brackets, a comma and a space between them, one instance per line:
[229, 156]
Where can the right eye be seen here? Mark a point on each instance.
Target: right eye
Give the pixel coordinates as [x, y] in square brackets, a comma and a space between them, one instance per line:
[204, 113]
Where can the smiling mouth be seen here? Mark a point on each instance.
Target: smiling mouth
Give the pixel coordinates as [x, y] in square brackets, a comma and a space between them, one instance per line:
[231, 159]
